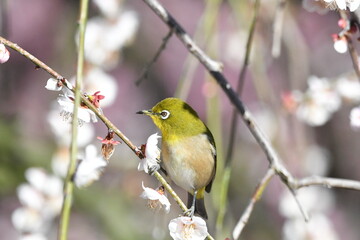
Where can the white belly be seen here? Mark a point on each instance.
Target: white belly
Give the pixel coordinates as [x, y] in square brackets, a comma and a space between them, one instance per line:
[190, 162]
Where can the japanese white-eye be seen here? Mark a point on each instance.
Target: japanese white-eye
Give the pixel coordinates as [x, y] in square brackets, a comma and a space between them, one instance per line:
[188, 150]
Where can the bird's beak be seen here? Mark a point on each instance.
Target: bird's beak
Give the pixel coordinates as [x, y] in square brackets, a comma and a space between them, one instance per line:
[146, 112]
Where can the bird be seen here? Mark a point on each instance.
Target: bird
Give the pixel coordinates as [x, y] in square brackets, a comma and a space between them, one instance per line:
[188, 151]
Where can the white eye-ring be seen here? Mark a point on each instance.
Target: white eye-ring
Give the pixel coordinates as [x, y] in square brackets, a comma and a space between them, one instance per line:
[164, 114]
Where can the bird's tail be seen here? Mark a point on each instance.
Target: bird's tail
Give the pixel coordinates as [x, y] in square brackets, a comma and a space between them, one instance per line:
[199, 205]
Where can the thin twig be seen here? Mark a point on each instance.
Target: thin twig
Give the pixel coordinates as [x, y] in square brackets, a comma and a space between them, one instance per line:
[352, 50]
[354, 57]
[98, 113]
[234, 119]
[183, 36]
[32, 58]
[327, 182]
[145, 71]
[241, 82]
[302, 210]
[255, 197]
[69, 184]
[67, 84]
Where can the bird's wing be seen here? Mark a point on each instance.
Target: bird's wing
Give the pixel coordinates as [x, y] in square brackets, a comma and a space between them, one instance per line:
[213, 152]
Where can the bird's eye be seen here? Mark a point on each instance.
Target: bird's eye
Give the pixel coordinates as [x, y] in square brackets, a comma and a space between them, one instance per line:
[164, 114]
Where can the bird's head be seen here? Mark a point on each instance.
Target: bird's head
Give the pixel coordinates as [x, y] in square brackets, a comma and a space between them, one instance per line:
[175, 117]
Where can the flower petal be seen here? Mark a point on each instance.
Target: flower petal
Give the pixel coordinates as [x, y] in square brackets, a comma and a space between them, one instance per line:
[355, 118]
[4, 54]
[53, 85]
[90, 168]
[186, 228]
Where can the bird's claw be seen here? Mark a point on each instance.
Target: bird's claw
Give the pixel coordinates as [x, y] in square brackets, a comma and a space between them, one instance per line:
[153, 168]
[190, 212]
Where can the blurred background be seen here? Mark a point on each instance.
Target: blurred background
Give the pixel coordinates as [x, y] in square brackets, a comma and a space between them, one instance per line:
[289, 68]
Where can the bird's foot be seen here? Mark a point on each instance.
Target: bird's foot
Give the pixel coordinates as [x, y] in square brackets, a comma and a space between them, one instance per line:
[152, 169]
[190, 212]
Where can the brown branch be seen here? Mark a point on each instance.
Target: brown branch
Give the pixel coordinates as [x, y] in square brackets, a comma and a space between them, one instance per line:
[146, 69]
[240, 86]
[98, 113]
[67, 84]
[32, 58]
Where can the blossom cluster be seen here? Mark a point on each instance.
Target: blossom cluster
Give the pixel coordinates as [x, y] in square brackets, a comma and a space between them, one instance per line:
[343, 4]
[348, 27]
[106, 35]
[322, 99]
[41, 199]
[322, 6]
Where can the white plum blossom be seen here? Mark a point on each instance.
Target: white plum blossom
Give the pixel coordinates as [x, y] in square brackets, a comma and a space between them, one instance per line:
[4, 54]
[30, 197]
[27, 220]
[156, 197]
[66, 103]
[97, 79]
[36, 177]
[313, 114]
[62, 129]
[319, 102]
[324, 94]
[318, 228]
[60, 161]
[342, 4]
[340, 45]
[152, 155]
[89, 168]
[53, 85]
[348, 89]
[355, 118]
[186, 228]
[322, 99]
[105, 37]
[49, 186]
